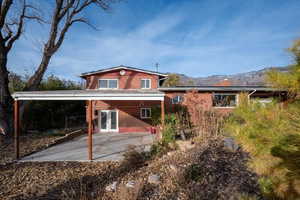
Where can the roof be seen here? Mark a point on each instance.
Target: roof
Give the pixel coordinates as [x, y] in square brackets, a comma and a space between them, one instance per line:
[113, 94]
[123, 67]
[221, 88]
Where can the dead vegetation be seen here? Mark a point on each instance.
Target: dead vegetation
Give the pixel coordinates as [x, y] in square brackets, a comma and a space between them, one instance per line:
[207, 171]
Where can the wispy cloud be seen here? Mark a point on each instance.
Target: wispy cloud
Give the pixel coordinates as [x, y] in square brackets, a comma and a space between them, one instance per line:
[194, 38]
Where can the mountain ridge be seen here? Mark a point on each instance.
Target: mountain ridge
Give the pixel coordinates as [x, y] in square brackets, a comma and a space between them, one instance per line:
[254, 78]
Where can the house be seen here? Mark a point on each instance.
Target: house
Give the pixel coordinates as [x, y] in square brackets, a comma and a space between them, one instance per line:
[125, 114]
[121, 99]
[122, 115]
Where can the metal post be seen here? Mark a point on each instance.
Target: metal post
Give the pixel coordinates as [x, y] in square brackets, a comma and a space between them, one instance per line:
[90, 130]
[16, 129]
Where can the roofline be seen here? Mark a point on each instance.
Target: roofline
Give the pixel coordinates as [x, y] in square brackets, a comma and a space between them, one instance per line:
[221, 88]
[73, 95]
[122, 67]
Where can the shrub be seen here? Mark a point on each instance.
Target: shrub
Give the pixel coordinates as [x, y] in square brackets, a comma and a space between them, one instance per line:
[271, 134]
[168, 134]
[159, 148]
[133, 158]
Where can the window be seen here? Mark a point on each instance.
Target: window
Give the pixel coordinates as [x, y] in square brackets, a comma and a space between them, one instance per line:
[224, 100]
[146, 83]
[145, 113]
[108, 83]
[177, 99]
[262, 100]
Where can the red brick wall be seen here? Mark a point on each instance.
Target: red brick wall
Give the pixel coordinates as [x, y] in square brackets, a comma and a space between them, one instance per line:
[131, 79]
[128, 113]
[194, 101]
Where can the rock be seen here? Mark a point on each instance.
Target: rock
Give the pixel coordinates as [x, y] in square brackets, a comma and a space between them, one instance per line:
[154, 179]
[130, 184]
[173, 168]
[185, 145]
[112, 187]
[230, 145]
[170, 153]
[147, 148]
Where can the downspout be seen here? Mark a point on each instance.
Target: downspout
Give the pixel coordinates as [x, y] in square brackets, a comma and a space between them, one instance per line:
[251, 94]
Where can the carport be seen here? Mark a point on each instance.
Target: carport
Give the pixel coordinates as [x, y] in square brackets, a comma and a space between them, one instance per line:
[80, 95]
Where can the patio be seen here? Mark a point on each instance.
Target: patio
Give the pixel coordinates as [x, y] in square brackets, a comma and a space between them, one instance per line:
[106, 147]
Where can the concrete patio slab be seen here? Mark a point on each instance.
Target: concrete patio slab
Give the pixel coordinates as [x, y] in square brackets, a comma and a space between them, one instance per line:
[106, 147]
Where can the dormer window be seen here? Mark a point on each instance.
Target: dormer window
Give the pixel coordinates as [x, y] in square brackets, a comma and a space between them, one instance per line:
[146, 83]
[108, 83]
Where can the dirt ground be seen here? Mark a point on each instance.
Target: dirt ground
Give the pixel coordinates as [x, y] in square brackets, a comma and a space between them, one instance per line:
[204, 172]
[28, 143]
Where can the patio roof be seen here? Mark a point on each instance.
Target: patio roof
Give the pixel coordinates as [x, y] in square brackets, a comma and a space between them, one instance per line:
[113, 94]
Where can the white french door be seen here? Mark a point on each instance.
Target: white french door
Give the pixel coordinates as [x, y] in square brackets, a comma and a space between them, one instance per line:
[108, 120]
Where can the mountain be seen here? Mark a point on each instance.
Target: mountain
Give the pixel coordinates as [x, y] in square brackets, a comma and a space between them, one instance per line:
[247, 78]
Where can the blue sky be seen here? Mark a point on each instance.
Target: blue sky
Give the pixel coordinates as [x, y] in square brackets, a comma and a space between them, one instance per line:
[193, 37]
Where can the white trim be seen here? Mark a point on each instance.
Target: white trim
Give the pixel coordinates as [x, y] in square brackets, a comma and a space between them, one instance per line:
[127, 68]
[108, 129]
[108, 79]
[141, 115]
[146, 79]
[127, 98]
[236, 100]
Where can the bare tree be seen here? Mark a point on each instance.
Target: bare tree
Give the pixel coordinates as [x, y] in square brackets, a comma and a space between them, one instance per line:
[11, 28]
[65, 14]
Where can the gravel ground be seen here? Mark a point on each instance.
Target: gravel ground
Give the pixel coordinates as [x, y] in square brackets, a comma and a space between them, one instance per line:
[204, 172]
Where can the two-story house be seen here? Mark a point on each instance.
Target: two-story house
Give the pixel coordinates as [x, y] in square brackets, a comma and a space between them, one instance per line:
[125, 114]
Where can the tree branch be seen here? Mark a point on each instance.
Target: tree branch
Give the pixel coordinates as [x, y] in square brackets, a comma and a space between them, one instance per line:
[4, 10]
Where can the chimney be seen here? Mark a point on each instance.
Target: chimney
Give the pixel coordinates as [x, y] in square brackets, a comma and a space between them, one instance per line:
[224, 82]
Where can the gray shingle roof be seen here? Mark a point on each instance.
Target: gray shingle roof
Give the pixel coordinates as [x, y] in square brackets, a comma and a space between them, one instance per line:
[123, 67]
[219, 88]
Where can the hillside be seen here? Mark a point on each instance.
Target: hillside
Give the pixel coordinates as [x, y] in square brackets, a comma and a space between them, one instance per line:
[247, 78]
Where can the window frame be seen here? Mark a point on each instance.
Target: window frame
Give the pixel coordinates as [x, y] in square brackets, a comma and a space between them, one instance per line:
[146, 79]
[178, 102]
[145, 117]
[226, 94]
[108, 79]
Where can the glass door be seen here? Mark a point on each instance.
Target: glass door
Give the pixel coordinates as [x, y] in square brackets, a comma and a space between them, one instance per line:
[108, 121]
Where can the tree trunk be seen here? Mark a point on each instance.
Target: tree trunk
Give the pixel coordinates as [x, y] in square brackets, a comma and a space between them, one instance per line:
[33, 84]
[37, 77]
[6, 100]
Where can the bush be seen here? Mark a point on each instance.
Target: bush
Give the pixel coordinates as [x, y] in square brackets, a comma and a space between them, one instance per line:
[133, 158]
[271, 134]
[159, 149]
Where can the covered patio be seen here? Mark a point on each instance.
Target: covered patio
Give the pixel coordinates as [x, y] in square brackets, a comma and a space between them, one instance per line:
[106, 147]
[83, 95]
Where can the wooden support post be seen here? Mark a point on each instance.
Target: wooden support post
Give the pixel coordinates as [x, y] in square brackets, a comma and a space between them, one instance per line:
[90, 129]
[162, 107]
[16, 129]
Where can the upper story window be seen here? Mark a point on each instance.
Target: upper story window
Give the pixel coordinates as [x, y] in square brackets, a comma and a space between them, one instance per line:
[177, 99]
[146, 83]
[224, 100]
[108, 83]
